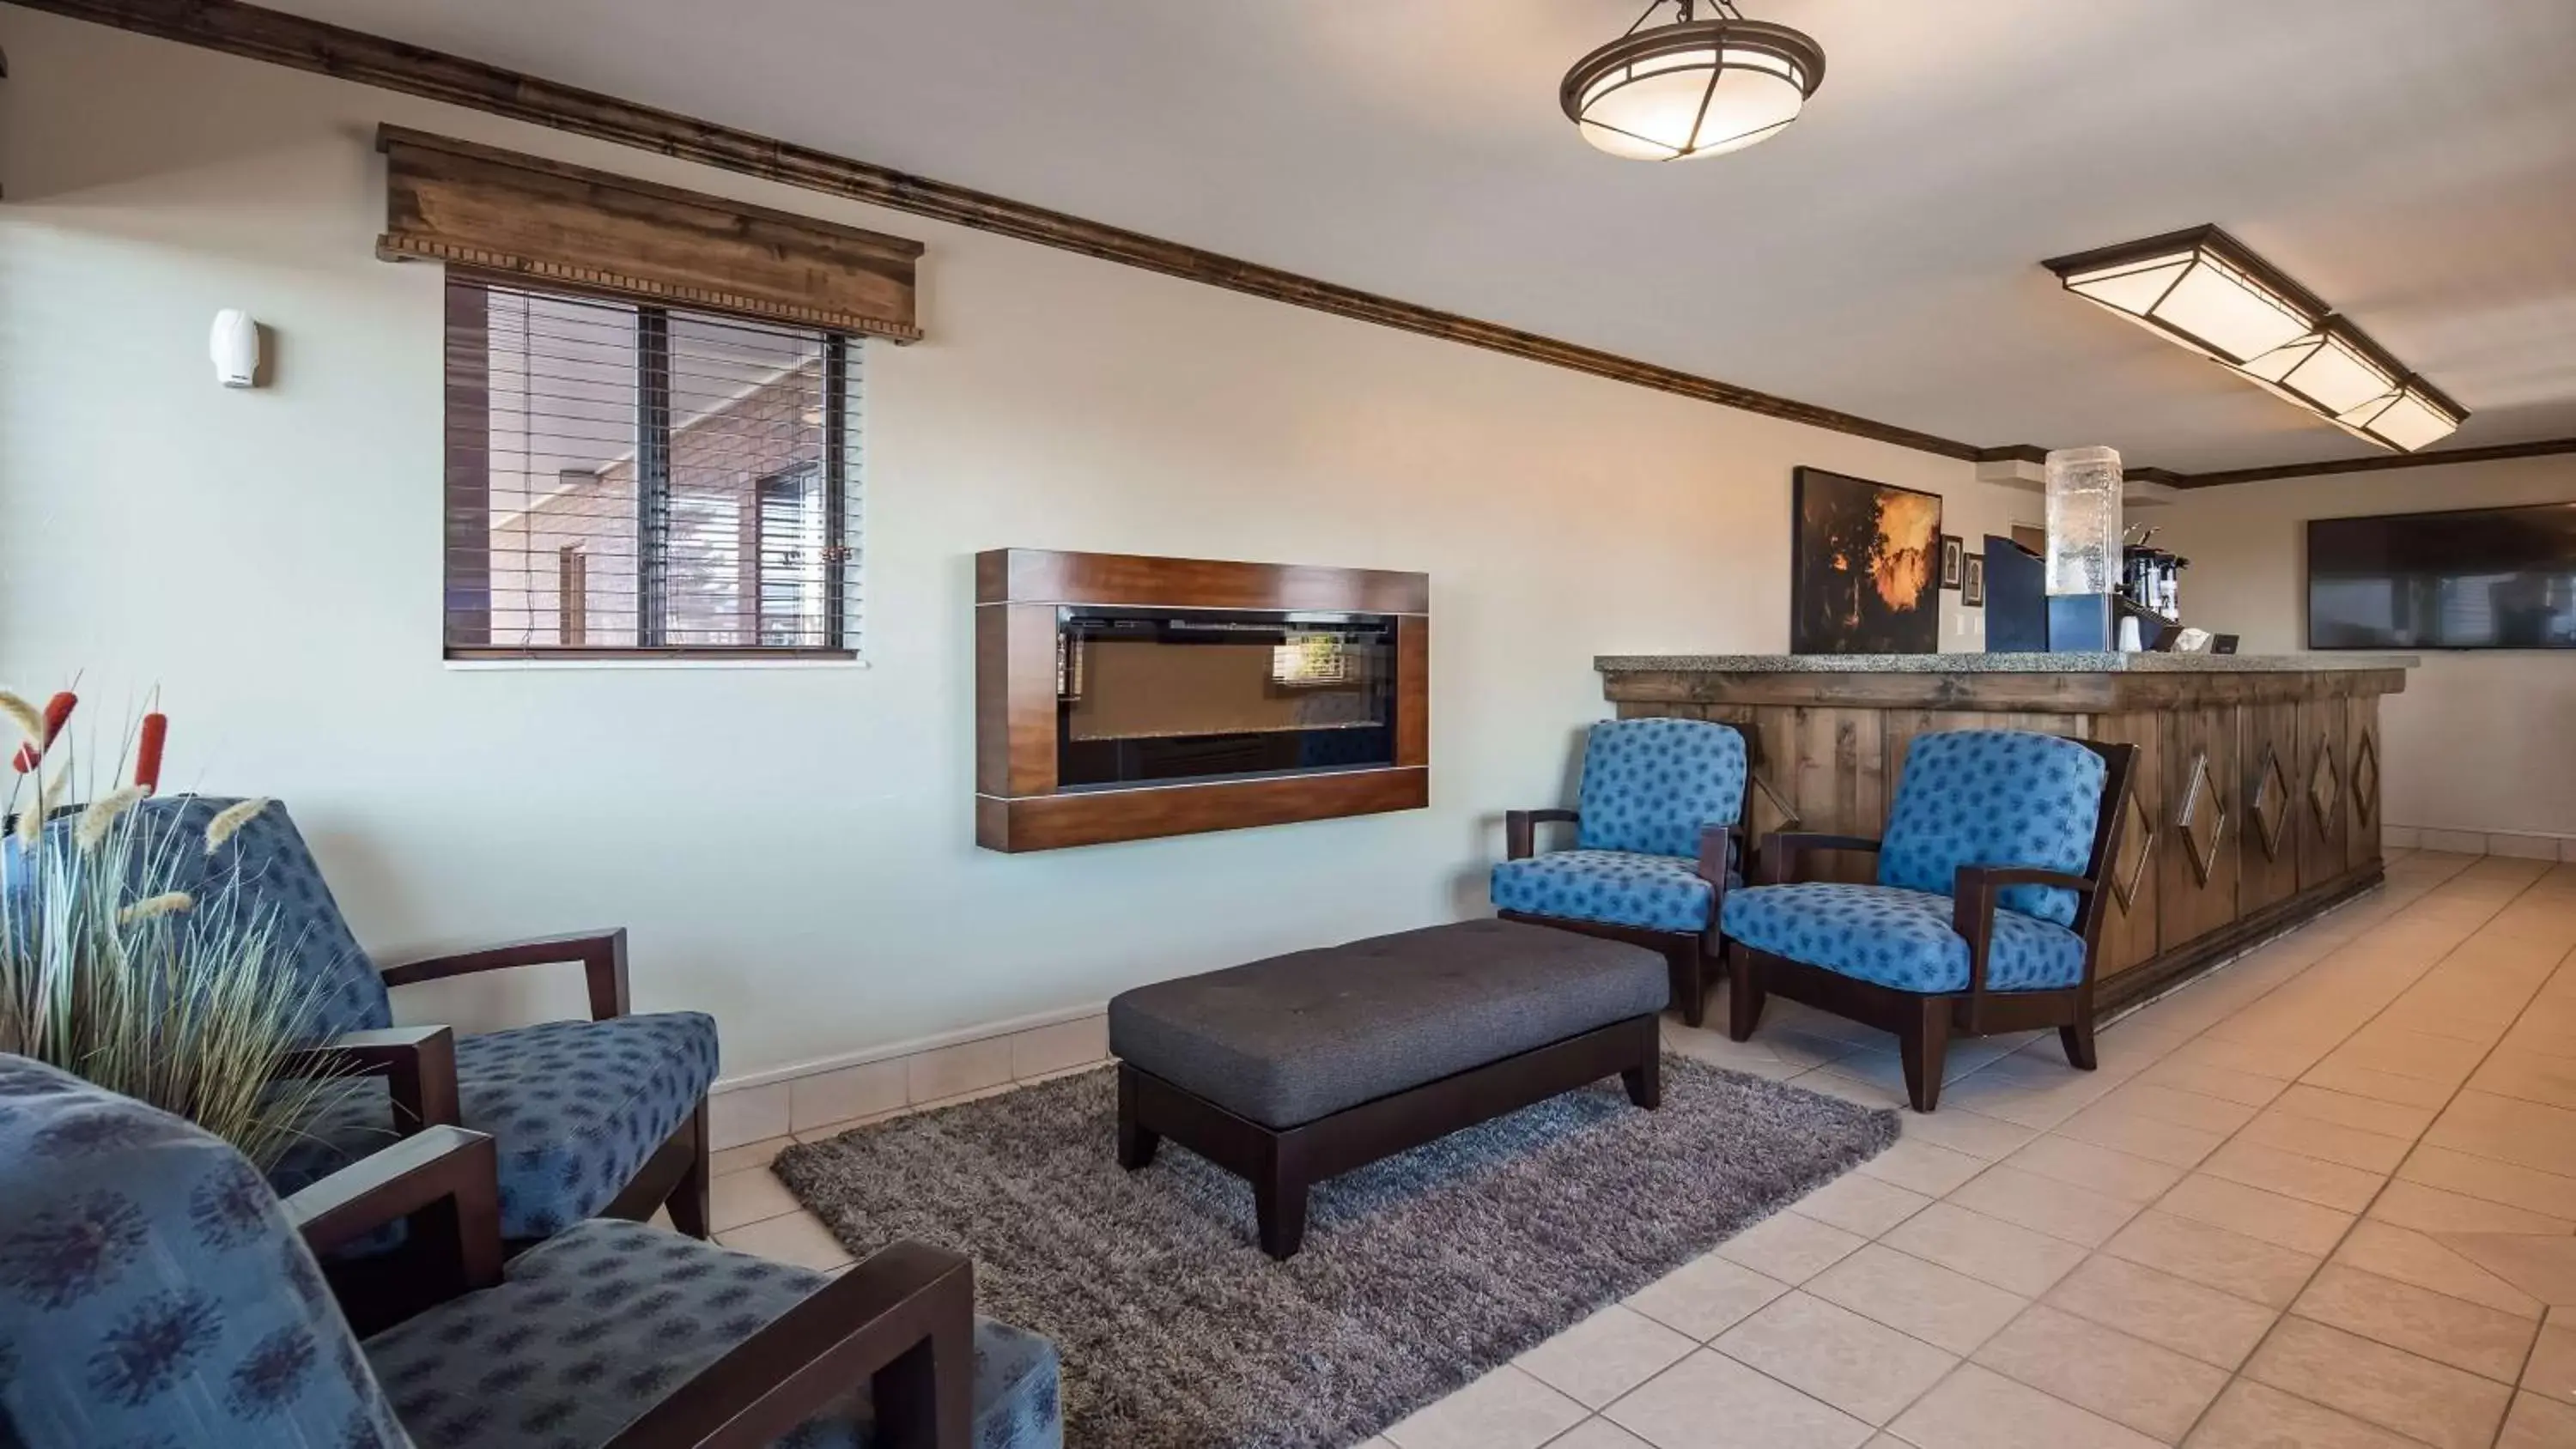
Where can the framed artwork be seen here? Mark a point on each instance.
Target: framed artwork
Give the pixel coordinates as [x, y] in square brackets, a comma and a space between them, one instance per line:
[1864, 566]
[1972, 588]
[1953, 548]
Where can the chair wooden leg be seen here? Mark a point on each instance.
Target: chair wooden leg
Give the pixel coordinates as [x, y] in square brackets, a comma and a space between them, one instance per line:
[688, 1199]
[1924, 1043]
[1743, 994]
[2077, 1037]
[1689, 981]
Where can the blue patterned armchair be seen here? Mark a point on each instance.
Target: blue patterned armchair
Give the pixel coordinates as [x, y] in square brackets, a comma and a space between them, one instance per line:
[605, 1117]
[155, 1291]
[1658, 842]
[1986, 915]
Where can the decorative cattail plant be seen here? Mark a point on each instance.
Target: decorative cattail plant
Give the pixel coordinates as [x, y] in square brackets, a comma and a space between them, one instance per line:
[185, 1000]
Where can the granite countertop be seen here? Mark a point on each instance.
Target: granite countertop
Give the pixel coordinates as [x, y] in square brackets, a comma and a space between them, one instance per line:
[2087, 663]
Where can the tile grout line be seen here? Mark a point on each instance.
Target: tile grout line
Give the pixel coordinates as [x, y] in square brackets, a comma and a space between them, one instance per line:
[2095, 1249]
[2548, 1311]
[1969, 1357]
[1962, 1359]
[2034, 1300]
[2287, 1310]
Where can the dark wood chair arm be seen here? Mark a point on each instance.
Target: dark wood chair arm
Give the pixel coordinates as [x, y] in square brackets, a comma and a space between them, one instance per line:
[602, 955]
[1996, 877]
[1972, 907]
[1782, 848]
[418, 1064]
[1718, 848]
[905, 1317]
[1520, 829]
[446, 1180]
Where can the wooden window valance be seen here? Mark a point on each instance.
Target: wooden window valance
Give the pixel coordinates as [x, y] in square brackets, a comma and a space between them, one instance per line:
[498, 211]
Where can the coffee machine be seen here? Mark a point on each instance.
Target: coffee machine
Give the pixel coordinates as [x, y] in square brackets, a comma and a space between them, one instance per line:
[2151, 578]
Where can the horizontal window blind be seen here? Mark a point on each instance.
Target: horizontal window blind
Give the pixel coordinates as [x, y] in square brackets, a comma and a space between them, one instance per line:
[624, 478]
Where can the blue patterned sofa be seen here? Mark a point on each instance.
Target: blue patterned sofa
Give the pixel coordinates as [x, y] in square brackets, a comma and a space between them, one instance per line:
[599, 1117]
[1986, 915]
[154, 1291]
[1658, 842]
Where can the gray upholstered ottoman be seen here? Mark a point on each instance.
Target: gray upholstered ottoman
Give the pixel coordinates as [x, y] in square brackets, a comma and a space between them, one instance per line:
[1295, 1069]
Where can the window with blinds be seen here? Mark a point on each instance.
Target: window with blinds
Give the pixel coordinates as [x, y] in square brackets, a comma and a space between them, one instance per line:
[626, 479]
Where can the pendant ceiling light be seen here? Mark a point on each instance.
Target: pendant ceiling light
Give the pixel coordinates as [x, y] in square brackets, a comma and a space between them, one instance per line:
[2209, 292]
[1706, 82]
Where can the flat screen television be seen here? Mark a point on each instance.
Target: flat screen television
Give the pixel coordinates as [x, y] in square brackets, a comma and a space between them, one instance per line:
[2474, 578]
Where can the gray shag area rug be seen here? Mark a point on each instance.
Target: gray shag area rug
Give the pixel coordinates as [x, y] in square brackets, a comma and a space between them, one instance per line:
[1419, 1272]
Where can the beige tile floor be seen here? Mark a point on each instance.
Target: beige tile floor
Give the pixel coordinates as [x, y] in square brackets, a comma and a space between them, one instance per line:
[2326, 1197]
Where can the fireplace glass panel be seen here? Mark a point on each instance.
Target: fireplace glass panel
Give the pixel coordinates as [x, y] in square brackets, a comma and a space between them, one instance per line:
[1187, 694]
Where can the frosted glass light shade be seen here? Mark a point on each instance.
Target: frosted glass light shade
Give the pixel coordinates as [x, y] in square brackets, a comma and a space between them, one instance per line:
[2199, 300]
[2406, 420]
[1692, 88]
[2205, 290]
[2083, 520]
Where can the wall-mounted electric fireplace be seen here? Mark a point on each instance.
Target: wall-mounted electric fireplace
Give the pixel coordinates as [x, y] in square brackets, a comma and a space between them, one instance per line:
[1121, 697]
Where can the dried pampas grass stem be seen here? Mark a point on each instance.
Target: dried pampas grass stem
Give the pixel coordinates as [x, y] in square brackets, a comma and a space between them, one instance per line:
[168, 903]
[101, 814]
[230, 820]
[23, 715]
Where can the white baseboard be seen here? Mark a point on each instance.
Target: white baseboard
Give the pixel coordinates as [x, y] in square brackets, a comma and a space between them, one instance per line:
[828, 1091]
[2521, 844]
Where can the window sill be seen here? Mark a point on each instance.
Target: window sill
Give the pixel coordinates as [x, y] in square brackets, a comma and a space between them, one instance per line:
[664, 661]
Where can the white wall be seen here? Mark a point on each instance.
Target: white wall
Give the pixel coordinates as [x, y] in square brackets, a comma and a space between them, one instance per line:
[791, 846]
[2479, 741]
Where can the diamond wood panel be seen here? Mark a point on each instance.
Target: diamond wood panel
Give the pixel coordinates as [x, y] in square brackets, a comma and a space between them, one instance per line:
[2131, 928]
[2270, 806]
[2365, 780]
[2319, 769]
[2325, 788]
[2202, 819]
[2137, 852]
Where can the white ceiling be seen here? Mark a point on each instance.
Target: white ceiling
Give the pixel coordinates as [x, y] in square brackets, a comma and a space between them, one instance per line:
[2412, 163]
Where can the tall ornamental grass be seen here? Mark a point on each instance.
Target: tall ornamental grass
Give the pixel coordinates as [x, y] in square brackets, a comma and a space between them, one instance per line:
[185, 999]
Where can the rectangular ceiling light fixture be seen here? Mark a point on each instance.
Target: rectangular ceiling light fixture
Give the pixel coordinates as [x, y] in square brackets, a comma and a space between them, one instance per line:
[2209, 292]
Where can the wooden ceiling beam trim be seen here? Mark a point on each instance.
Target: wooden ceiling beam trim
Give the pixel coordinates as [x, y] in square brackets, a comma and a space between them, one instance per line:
[2493, 454]
[310, 45]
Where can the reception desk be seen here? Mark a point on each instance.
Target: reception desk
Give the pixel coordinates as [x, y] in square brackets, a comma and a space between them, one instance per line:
[2258, 781]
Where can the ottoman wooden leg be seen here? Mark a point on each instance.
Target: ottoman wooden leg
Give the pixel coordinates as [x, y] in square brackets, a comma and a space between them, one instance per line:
[1645, 1084]
[1136, 1143]
[1279, 1201]
[1645, 1081]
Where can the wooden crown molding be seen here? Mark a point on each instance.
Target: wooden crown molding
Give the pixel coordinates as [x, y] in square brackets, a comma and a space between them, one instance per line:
[235, 28]
[311, 45]
[2033, 453]
[2496, 453]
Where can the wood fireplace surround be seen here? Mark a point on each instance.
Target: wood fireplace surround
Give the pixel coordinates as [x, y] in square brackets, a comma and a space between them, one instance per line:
[1310, 735]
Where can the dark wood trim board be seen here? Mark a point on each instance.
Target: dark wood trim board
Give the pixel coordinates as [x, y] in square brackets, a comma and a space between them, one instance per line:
[2434, 459]
[311, 45]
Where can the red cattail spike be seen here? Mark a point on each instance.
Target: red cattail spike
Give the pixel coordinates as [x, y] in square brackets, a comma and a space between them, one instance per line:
[58, 712]
[147, 751]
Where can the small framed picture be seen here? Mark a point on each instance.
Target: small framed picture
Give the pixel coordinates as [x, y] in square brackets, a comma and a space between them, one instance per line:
[1952, 548]
[1972, 581]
